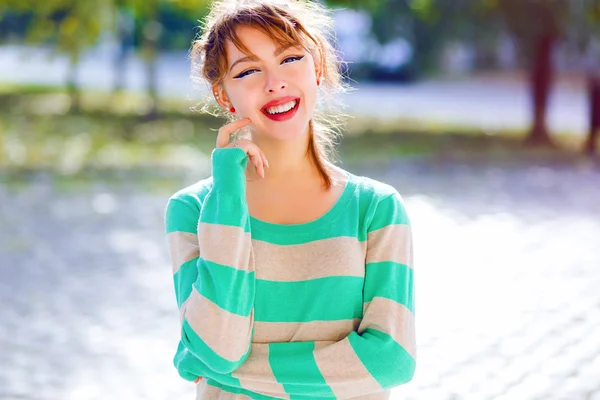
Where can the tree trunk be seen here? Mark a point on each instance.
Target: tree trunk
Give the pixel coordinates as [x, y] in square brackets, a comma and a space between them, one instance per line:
[594, 104]
[72, 85]
[541, 79]
[125, 27]
[152, 32]
[119, 67]
[151, 85]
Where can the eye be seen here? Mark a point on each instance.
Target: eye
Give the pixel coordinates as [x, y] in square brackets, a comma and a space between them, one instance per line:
[285, 61]
[243, 74]
[293, 58]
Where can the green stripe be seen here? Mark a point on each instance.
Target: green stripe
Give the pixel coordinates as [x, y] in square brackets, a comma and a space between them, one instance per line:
[186, 363]
[225, 209]
[387, 361]
[184, 278]
[325, 299]
[303, 368]
[346, 225]
[228, 165]
[225, 286]
[390, 211]
[181, 216]
[206, 354]
[390, 280]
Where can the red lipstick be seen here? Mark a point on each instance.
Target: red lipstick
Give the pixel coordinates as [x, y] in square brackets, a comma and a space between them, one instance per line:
[281, 116]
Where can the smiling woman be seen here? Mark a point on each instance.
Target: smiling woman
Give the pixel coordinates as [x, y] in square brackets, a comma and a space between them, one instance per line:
[293, 277]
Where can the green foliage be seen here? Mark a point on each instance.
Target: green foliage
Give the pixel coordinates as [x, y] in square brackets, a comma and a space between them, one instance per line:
[71, 25]
[426, 24]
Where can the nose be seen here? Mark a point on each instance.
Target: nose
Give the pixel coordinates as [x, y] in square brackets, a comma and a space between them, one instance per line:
[275, 83]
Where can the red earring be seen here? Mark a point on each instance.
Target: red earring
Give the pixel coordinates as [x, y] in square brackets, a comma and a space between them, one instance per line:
[232, 109]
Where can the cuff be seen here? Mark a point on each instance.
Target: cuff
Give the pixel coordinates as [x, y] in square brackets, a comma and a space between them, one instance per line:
[228, 169]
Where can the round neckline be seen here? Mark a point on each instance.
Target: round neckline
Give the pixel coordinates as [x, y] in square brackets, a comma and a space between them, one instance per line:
[309, 227]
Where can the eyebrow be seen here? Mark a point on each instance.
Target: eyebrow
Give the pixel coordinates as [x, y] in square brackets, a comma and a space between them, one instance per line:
[252, 57]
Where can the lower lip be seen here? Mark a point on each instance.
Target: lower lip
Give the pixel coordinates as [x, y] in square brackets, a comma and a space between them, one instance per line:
[283, 116]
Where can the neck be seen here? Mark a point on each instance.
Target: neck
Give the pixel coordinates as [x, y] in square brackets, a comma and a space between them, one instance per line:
[287, 158]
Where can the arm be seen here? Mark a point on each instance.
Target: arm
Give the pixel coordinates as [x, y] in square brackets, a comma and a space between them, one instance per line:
[211, 253]
[379, 356]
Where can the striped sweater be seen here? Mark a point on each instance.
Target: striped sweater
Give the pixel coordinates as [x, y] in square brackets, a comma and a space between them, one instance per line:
[320, 310]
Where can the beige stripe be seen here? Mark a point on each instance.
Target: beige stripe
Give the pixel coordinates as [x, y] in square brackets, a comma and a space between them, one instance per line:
[392, 318]
[226, 245]
[210, 322]
[270, 332]
[182, 310]
[256, 375]
[183, 247]
[390, 243]
[204, 391]
[343, 371]
[324, 343]
[335, 257]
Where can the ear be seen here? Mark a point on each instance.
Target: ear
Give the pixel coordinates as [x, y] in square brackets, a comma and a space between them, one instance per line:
[221, 97]
[318, 68]
[318, 74]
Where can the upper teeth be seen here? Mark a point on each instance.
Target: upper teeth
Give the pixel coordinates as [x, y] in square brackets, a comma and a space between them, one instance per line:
[282, 107]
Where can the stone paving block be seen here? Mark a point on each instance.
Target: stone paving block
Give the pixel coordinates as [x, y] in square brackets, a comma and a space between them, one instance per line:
[507, 308]
[532, 386]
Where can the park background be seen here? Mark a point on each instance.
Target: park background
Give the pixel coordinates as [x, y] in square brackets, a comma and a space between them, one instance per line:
[483, 114]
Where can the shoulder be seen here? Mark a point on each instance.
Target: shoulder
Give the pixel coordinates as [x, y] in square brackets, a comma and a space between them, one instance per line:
[380, 202]
[183, 207]
[374, 189]
[364, 187]
[194, 193]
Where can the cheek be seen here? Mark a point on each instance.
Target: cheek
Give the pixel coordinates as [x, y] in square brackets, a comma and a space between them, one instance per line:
[243, 99]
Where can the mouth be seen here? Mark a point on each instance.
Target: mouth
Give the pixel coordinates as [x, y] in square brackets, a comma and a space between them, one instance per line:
[281, 110]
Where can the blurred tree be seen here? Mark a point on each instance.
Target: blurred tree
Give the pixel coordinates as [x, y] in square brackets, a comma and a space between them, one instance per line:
[13, 21]
[585, 32]
[428, 25]
[594, 112]
[538, 25]
[123, 28]
[149, 18]
[71, 25]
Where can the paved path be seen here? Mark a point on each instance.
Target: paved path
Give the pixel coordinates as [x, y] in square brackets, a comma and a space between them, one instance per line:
[490, 104]
[507, 263]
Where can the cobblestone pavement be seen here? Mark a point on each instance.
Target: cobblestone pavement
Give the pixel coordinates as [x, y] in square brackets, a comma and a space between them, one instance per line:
[508, 287]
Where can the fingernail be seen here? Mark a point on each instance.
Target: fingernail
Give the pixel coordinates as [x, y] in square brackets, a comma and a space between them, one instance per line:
[267, 161]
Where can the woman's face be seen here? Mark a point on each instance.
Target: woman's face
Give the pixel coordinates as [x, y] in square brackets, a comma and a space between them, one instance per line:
[275, 87]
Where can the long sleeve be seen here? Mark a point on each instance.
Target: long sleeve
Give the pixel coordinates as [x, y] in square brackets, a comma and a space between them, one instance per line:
[211, 254]
[379, 355]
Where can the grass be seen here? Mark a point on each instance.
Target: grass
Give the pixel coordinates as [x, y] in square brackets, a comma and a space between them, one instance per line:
[110, 140]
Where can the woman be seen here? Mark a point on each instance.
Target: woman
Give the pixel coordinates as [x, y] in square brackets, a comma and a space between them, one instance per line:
[293, 276]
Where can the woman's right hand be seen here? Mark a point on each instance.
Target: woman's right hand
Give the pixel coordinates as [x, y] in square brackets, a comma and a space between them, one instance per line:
[255, 155]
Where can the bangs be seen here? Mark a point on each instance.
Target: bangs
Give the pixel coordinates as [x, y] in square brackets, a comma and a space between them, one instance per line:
[281, 27]
[279, 34]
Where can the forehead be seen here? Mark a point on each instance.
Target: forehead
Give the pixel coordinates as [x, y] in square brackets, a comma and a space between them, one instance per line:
[256, 41]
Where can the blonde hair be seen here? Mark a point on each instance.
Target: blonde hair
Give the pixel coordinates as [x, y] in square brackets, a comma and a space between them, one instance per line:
[287, 22]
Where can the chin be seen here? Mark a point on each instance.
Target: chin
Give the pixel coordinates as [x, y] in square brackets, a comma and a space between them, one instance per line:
[284, 131]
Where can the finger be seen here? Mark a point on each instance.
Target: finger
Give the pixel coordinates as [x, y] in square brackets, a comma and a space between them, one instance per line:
[257, 160]
[264, 158]
[226, 130]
